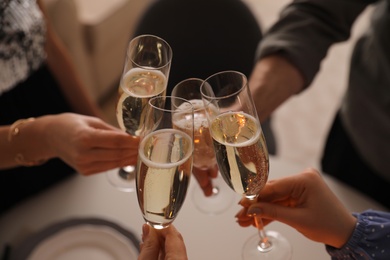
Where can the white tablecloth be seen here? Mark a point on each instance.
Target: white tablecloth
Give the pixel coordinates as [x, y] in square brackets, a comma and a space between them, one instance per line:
[206, 237]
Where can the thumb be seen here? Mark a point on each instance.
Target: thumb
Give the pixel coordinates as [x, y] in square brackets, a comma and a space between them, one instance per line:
[150, 246]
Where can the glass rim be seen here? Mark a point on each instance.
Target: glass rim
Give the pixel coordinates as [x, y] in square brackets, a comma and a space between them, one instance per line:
[156, 37]
[189, 80]
[189, 110]
[214, 98]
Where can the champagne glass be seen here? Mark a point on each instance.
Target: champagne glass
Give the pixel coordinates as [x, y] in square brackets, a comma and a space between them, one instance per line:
[241, 152]
[205, 167]
[145, 75]
[165, 160]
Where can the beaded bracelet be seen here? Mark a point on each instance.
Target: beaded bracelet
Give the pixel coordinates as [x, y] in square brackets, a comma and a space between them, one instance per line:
[14, 131]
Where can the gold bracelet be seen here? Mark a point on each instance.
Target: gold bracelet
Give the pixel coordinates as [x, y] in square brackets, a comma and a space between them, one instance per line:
[14, 130]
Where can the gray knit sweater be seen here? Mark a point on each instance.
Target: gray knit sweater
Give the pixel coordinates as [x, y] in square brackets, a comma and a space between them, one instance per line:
[304, 33]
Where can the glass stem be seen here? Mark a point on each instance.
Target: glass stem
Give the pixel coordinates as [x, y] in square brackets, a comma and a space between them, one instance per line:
[264, 244]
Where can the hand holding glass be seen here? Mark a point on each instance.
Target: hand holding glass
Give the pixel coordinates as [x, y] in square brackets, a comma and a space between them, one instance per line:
[241, 152]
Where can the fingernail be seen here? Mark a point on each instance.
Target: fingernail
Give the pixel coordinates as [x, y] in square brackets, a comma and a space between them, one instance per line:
[254, 211]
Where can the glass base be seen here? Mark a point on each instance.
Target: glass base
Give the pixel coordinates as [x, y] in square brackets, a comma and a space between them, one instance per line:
[122, 178]
[217, 203]
[280, 248]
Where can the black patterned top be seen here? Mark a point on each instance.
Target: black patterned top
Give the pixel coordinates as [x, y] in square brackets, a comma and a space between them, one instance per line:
[22, 39]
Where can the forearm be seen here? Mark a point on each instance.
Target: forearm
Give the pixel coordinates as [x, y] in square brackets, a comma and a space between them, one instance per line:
[306, 30]
[71, 85]
[24, 143]
[273, 81]
[61, 65]
[290, 54]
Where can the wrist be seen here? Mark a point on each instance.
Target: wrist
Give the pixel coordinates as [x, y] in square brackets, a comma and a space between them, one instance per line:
[45, 131]
[350, 227]
[344, 232]
[17, 135]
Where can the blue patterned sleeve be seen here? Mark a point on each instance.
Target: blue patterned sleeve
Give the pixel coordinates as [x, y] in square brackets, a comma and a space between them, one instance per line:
[370, 240]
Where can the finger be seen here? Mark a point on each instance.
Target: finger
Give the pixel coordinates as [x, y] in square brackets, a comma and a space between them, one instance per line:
[102, 166]
[243, 219]
[151, 245]
[103, 154]
[208, 190]
[245, 223]
[275, 212]
[213, 171]
[100, 124]
[94, 159]
[203, 180]
[174, 244]
[201, 176]
[110, 139]
[245, 202]
[280, 189]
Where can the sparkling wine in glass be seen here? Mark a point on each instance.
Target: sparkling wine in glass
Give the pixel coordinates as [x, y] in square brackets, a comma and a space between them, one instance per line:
[205, 169]
[241, 153]
[165, 160]
[145, 75]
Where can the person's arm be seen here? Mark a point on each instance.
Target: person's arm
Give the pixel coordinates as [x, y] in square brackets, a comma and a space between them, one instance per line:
[291, 51]
[205, 178]
[60, 63]
[86, 143]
